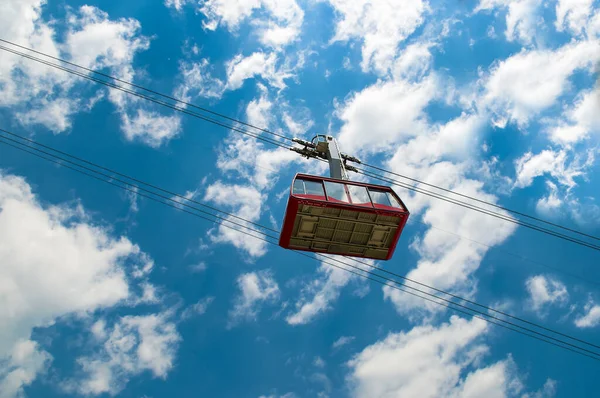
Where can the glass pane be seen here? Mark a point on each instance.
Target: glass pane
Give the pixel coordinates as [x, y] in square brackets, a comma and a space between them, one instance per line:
[336, 191]
[394, 201]
[298, 188]
[359, 195]
[313, 188]
[380, 197]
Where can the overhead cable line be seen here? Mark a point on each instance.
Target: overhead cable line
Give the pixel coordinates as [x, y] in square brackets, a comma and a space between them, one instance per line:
[146, 89]
[264, 130]
[28, 146]
[484, 202]
[270, 141]
[192, 200]
[146, 97]
[481, 210]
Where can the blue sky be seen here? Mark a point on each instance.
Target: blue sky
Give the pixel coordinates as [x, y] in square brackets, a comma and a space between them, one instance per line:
[105, 293]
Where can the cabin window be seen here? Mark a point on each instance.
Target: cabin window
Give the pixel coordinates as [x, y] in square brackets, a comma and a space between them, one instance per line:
[313, 188]
[308, 187]
[298, 188]
[394, 201]
[384, 198]
[359, 195]
[336, 192]
[380, 198]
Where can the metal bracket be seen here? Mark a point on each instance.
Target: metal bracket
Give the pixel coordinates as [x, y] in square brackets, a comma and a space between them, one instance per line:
[326, 147]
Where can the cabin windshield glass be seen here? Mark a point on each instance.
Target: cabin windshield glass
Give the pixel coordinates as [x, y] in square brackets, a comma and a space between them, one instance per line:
[336, 192]
[298, 188]
[394, 201]
[313, 188]
[359, 195]
[380, 197]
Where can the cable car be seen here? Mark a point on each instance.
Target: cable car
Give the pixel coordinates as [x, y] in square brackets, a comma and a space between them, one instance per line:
[336, 216]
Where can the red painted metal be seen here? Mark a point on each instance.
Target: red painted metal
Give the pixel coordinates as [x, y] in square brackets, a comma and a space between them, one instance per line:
[321, 201]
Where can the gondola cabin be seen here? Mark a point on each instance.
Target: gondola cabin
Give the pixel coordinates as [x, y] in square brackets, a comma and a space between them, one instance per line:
[327, 215]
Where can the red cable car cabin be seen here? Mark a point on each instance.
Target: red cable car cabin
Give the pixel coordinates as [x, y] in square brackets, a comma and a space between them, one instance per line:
[350, 218]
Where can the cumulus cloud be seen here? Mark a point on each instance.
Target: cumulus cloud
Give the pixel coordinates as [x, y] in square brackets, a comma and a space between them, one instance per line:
[572, 15]
[446, 261]
[150, 127]
[197, 81]
[579, 121]
[266, 65]
[318, 295]
[549, 204]
[41, 285]
[134, 345]
[430, 361]
[245, 203]
[530, 93]
[523, 18]
[279, 27]
[591, 317]
[256, 289]
[544, 291]
[385, 113]
[21, 366]
[551, 162]
[246, 158]
[39, 94]
[380, 26]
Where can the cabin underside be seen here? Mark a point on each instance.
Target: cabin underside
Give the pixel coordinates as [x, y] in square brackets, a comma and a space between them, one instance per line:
[341, 231]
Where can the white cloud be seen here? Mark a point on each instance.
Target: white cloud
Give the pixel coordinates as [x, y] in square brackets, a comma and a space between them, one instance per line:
[135, 344]
[198, 81]
[317, 295]
[544, 291]
[246, 157]
[150, 127]
[245, 202]
[268, 66]
[198, 267]
[342, 341]
[43, 95]
[573, 15]
[442, 156]
[256, 288]
[538, 79]
[198, 308]
[548, 390]
[591, 317]
[559, 202]
[523, 18]
[97, 42]
[430, 361]
[98, 329]
[579, 120]
[281, 26]
[384, 114]
[551, 162]
[21, 367]
[414, 62]
[319, 362]
[299, 124]
[381, 26]
[287, 395]
[54, 114]
[258, 111]
[550, 203]
[38, 286]
[176, 4]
